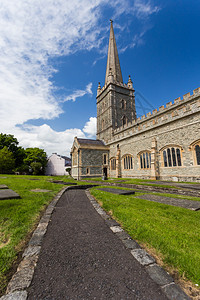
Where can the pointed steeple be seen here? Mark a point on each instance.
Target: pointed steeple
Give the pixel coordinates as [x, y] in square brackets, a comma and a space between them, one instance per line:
[113, 69]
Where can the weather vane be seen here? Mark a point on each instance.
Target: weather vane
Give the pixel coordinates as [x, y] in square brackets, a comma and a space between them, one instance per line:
[111, 21]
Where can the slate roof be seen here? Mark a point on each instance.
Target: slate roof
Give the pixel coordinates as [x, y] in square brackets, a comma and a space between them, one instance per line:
[67, 159]
[90, 142]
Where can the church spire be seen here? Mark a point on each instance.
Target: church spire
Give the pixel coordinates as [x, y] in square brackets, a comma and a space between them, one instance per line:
[113, 68]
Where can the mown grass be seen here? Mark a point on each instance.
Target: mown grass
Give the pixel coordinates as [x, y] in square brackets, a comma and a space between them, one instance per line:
[19, 216]
[173, 232]
[137, 181]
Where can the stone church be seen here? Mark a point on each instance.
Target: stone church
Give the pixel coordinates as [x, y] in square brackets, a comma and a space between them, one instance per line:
[164, 144]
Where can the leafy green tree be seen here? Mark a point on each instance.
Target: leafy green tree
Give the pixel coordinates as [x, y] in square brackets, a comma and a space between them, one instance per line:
[9, 141]
[36, 155]
[37, 168]
[7, 161]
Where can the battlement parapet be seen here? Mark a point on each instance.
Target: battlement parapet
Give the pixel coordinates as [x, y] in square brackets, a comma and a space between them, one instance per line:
[169, 104]
[168, 113]
[154, 111]
[186, 96]
[126, 85]
[161, 108]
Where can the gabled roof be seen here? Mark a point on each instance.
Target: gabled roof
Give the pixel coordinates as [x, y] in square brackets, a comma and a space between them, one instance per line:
[80, 143]
[66, 158]
[90, 142]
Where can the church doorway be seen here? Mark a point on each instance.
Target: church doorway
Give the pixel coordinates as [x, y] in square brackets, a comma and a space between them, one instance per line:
[105, 172]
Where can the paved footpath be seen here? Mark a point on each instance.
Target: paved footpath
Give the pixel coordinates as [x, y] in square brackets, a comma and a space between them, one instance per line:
[81, 258]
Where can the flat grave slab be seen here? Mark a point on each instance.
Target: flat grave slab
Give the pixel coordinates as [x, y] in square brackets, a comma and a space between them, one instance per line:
[63, 182]
[41, 191]
[189, 204]
[117, 191]
[178, 184]
[8, 194]
[3, 186]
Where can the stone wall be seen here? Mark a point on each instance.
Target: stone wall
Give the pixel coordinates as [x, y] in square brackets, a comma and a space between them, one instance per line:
[111, 111]
[91, 162]
[176, 125]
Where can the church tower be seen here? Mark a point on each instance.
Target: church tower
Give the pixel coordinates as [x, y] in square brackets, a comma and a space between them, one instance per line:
[115, 100]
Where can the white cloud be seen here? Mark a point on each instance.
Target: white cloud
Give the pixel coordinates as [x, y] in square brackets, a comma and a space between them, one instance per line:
[31, 34]
[48, 139]
[90, 127]
[79, 93]
[144, 8]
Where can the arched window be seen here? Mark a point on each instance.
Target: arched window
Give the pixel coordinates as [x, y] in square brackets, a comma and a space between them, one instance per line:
[197, 152]
[124, 120]
[145, 160]
[128, 162]
[195, 146]
[113, 163]
[105, 159]
[172, 157]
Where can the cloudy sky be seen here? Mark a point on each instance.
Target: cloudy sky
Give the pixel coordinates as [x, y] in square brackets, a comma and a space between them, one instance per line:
[53, 54]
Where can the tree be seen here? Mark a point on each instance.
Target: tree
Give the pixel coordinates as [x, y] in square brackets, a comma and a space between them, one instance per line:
[9, 141]
[7, 161]
[37, 168]
[36, 155]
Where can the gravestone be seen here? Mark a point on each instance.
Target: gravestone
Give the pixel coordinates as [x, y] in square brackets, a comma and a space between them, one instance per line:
[8, 194]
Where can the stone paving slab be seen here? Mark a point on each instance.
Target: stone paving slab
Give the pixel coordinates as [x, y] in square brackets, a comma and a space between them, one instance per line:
[118, 191]
[174, 292]
[3, 186]
[189, 204]
[18, 295]
[8, 194]
[143, 257]
[159, 275]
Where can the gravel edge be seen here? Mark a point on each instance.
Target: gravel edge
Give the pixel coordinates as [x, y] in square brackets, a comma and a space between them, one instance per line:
[157, 274]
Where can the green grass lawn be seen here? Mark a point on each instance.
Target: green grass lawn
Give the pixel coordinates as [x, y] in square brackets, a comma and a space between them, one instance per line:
[173, 232]
[137, 181]
[18, 217]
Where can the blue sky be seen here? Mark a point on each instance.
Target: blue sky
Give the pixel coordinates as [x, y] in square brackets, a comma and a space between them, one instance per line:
[53, 54]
